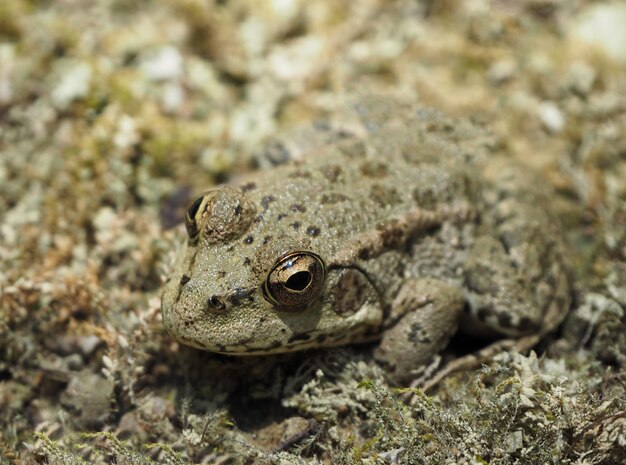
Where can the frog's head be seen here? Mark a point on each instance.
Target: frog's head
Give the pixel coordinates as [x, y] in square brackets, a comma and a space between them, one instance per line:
[246, 285]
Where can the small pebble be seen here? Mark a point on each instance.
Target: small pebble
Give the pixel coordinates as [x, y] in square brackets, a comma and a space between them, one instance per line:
[551, 117]
[502, 71]
[164, 65]
[73, 85]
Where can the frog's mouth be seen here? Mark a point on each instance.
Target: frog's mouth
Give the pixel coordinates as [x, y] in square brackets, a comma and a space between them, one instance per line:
[300, 342]
[313, 342]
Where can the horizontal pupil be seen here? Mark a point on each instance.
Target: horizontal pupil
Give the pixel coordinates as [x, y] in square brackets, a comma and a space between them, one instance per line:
[299, 281]
[194, 207]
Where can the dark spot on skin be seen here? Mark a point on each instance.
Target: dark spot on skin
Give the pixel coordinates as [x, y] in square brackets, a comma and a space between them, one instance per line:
[299, 337]
[221, 274]
[527, 325]
[364, 253]
[230, 249]
[384, 195]
[237, 209]
[296, 225]
[281, 216]
[283, 330]
[247, 187]
[335, 197]
[249, 240]
[374, 169]
[425, 198]
[483, 314]
[265, 201]
[417, 335]
[247, 340]
[504, 320]
[184, 279]
[246, 261]
[273, 345]
[313, 231]
[331, 172]
[259, 218]
[296, 207]
[239, 296]
[266, 239]
[393, 235]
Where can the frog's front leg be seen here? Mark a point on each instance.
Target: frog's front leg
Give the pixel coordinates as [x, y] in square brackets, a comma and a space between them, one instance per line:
[424, 315]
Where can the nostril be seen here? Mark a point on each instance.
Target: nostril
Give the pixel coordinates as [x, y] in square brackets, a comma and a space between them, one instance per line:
[217, 304]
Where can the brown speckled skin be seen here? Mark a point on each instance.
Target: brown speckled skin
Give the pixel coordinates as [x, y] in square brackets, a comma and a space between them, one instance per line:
[415, 232]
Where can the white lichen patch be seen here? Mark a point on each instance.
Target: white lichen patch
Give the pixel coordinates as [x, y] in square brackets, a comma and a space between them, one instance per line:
[72, 83]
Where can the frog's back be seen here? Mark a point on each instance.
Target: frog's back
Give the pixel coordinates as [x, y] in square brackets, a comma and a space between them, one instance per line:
[388, 163]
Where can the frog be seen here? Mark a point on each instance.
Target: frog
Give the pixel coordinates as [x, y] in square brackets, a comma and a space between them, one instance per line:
[400, 225]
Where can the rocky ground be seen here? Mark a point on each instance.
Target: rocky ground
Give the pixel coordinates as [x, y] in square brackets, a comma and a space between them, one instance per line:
[113, 114]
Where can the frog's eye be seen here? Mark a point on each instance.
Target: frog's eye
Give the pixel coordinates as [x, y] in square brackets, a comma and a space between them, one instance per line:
[295, 280]
[190, 218]
[218, 215]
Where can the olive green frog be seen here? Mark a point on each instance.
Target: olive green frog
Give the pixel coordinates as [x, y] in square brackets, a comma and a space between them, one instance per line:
[401, 226]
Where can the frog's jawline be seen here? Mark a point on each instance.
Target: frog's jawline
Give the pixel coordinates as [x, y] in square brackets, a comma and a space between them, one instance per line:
[312, 344]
